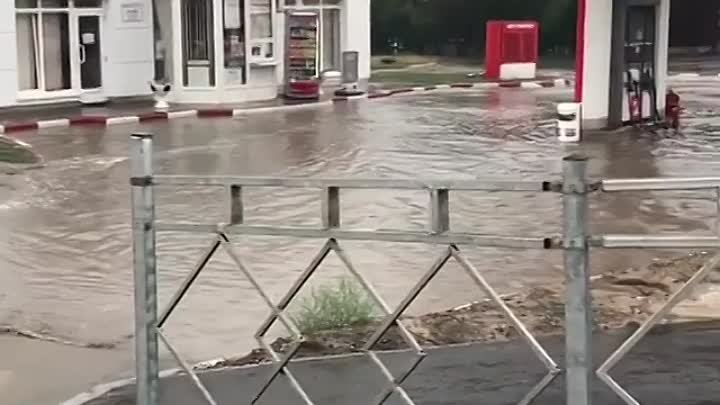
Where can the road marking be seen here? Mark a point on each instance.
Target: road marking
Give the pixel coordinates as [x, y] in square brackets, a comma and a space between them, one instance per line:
[182, 114]
[530, 85]
[62, 122]
[122, 120]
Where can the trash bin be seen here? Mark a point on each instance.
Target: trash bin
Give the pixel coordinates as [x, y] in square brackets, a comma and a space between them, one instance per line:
[569, 122]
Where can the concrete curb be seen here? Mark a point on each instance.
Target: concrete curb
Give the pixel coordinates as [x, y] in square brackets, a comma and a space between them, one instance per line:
[534, 84]
[691, 75]
[151, 116]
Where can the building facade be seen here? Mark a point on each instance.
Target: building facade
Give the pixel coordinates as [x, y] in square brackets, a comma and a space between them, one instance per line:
[210, 51]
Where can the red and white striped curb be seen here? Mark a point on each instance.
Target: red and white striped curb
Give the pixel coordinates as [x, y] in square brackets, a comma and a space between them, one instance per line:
[105, 121]
[535, 84]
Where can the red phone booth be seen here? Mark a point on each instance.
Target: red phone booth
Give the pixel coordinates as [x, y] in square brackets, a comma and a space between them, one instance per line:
[511, 50]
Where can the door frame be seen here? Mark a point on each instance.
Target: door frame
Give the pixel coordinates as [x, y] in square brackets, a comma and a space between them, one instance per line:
[75, 14]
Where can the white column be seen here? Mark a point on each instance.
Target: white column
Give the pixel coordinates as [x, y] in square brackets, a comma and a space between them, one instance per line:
[279, 32]
[219, 23]
[662, 46]
[596, 78]
[176, 44]
[8, 63]
[356, 33]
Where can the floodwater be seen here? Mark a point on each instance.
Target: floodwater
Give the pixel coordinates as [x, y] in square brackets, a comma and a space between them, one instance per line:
[65, 240]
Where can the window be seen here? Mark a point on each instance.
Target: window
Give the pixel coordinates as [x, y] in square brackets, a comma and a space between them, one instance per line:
[198, 44]
[89, 3]
[20, 4]
[261, 29]
[26, 3]
[318, 2]
[234, 41]
[312, 3]
[330, 51]
[162, 33]
[43, 45]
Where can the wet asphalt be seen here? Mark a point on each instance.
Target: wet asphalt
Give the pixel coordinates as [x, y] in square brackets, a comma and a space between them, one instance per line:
[672, 368]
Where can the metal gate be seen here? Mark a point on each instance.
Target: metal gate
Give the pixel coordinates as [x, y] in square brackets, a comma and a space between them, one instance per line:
[575, 242]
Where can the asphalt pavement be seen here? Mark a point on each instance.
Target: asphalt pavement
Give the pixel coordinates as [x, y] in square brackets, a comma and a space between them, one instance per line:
[678, 367]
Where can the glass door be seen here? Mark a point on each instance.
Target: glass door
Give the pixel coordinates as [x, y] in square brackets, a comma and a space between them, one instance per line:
[89, 36]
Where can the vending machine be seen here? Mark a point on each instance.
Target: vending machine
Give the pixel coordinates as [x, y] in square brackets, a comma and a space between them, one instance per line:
[302, 55]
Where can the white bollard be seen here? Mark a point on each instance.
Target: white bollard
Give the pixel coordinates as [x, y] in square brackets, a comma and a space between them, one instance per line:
[569, 120]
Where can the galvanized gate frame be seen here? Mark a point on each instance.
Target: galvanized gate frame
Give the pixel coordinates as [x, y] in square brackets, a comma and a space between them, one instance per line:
[575, 242]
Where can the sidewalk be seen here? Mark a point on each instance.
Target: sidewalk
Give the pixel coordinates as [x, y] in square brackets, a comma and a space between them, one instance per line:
[671, 368]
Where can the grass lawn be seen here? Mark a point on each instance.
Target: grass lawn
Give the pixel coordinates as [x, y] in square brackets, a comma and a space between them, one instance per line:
[401, 61]
[421, 70]
[13, 153]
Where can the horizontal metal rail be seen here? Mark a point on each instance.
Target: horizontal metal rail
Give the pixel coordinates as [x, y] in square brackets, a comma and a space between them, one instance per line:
[659, 184]
[654, 241]
[449, 238]
[398, 184]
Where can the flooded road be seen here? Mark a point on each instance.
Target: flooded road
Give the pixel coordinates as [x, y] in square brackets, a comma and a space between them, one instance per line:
[65, 237]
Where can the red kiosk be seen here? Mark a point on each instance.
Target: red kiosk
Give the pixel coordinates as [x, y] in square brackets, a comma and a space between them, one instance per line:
[511, 50]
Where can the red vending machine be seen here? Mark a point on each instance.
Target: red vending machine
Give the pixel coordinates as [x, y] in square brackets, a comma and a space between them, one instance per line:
[511, 50]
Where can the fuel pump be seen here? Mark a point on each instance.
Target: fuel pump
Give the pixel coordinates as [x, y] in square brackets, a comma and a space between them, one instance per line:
[639, 70]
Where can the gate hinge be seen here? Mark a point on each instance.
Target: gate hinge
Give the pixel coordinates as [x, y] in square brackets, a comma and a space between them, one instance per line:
[557, 187]
[142, 181]
[575, 243]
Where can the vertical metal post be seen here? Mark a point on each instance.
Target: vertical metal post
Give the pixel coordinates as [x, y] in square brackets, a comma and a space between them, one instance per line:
[331, 207]
[578, 300]
[236, 205]
[145, 278]
[439, 210]
[717, 212]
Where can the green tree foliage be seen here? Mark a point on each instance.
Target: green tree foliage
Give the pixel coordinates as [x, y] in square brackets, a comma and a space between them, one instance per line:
[429, 26]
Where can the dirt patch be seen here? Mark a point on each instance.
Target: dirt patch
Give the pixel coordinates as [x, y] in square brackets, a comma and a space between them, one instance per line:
[621, 298]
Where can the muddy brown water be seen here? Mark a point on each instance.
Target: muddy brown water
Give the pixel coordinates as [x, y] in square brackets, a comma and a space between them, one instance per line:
[65, 235]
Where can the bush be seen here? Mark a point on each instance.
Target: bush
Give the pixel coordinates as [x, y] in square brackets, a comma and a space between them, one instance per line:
[333, 307]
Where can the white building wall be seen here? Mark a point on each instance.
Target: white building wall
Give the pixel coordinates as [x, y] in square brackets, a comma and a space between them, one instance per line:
[355, 21]
[596, 77]
[280, 33]
[128, 52]
[8, 63]
[128, 61]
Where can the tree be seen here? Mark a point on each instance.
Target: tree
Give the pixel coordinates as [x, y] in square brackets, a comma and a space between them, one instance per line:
[423, 25]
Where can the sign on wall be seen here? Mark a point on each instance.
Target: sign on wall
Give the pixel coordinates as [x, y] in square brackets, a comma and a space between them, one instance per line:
[132, 12]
